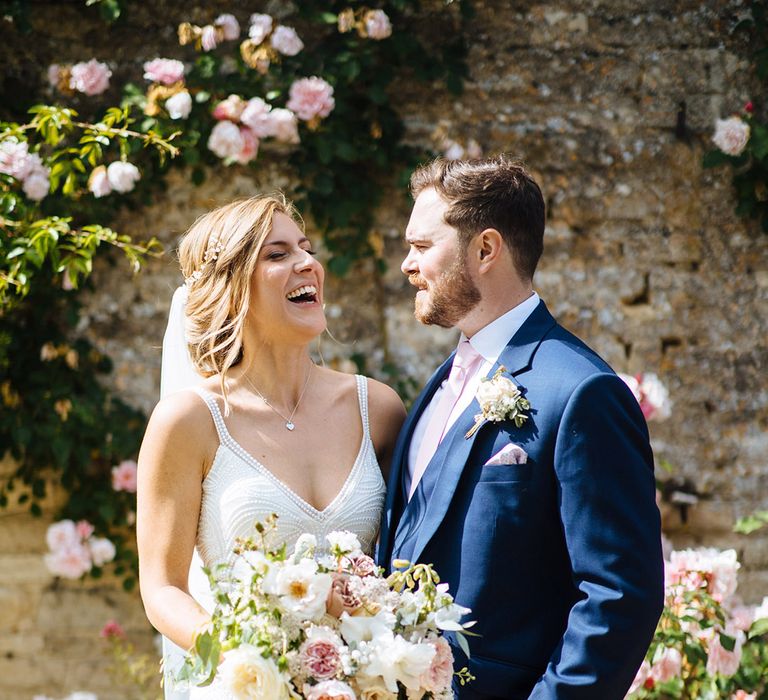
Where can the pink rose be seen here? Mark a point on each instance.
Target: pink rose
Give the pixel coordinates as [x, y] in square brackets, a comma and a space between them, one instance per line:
[15, 159]
[102, 550]
[72, 561]
[165, 71]
[84, 529]
[667, 665]
[720, 660]
[98, 182]
[124, 476]
[743, 695]
[179, 105]
[208, 38]
[229, 26]
[440, 673]
[250, 146]
[261, 26]
[742, 617]
[310, 98]
[377, 24]
[284, 126]
[362, 565]
[342, 597]
[122, 176]
[329, 690]
[286, 41]
[225, 140]
[91, 78]
[320, 658]
[62, 534]
[256, 117]
[231, 108]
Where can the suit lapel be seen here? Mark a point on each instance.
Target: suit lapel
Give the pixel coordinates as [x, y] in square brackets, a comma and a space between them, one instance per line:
[395, 499]
[453, 452]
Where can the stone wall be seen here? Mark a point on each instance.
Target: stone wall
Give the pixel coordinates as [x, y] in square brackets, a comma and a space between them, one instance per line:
[644, 259]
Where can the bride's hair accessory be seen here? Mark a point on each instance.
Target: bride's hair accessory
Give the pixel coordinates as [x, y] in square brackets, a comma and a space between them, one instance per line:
[211, 255]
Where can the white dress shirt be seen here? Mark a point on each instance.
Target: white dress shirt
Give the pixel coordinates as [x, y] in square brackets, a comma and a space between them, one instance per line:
[489, 342]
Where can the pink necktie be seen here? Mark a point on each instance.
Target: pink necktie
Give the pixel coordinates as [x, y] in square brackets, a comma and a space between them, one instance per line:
[465, 363]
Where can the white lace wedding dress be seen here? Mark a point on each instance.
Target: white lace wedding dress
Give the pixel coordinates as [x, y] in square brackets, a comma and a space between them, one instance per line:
[239, 490]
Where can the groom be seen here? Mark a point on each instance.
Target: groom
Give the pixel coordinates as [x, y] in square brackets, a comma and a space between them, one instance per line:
[540, 514]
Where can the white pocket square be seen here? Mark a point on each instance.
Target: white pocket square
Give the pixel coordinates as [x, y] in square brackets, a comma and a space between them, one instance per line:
[509, 454]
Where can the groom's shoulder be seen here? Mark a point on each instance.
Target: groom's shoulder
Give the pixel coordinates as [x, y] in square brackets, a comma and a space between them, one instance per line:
[562, 348]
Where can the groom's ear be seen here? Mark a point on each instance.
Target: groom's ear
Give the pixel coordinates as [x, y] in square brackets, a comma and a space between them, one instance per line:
[488, 246]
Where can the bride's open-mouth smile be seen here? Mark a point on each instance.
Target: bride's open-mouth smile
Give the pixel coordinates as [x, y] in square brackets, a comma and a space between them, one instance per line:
[305, 295]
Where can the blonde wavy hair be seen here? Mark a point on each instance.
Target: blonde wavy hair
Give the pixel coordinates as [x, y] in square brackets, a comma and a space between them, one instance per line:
[218, 256]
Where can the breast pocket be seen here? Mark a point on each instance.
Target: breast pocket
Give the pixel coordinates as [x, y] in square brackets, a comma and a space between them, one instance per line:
[501, 473]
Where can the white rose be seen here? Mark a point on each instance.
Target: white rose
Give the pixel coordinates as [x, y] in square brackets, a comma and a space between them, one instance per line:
[344, 540]
[305, 547]
[62, 534]
[284, 125]
[261, 25]
[249, 676]
[98, 182]
[102, 550]
[122, 176]
[179, 105]
[657, 397]
[394, 659]
[731, 135]
[286, 41]
[37, 185]
[225, 140]
[762, 610]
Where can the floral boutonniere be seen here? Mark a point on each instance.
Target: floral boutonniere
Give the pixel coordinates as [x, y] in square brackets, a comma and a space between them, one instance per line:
[500, 399]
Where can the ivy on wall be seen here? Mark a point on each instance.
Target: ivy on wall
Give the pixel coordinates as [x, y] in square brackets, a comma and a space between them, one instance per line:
[318, 84]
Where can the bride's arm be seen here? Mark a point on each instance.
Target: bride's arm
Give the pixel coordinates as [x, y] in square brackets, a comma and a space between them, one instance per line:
[177, 447]
[387, 415]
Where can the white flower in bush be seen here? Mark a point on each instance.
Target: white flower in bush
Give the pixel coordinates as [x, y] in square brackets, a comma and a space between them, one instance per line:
[123, 176]
[731, 135]
[260, 27]
[37, 184]
[98, 182]
[179, 105]
[225, 140]
[286, 41]
[102, 550]
[15, 158]
[229, 25]
[247, 674]
[377, 24]
[208, 40]
[284, 125]
[90, 78]
[231, 108]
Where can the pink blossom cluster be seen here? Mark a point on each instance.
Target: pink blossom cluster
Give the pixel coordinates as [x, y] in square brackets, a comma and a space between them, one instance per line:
[170, 72]
[74, 551]
[651, 394]
[731, 135]
[377, 25]
[90, 77]
[124, 476]
[26, 167]
[224, 28]
[241, 125]
[119, 176]
[311, 99]
[282, 39]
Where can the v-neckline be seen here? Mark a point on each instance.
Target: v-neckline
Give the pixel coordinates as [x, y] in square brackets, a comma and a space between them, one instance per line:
[226, 440]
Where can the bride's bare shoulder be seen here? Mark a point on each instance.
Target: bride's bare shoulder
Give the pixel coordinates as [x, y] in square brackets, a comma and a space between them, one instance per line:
[183, 413]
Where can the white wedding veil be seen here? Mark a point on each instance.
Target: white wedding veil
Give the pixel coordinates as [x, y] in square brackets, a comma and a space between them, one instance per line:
[177, 373]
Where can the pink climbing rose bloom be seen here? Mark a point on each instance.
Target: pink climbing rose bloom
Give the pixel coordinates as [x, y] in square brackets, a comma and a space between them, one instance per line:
[310, 98]
[165, 71]
[90, 78]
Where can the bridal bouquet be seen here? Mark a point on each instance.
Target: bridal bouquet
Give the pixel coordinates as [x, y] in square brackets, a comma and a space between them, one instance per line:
[322, 626]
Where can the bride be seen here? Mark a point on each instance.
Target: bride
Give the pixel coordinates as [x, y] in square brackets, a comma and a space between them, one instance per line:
[263, 430]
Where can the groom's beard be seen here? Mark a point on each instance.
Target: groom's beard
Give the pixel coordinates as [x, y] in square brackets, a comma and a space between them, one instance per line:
[450, 298]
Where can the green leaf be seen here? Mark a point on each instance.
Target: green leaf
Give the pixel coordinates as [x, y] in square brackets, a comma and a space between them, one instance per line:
[715, 158]
[751, 523]
[728, 642]
[759, 627]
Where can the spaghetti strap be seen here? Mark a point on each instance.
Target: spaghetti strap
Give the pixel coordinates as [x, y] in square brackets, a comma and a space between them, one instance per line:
[213, 407]
[362, 397]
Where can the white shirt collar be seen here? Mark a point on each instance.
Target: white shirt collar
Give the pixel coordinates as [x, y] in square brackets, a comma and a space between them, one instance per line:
[490, 340]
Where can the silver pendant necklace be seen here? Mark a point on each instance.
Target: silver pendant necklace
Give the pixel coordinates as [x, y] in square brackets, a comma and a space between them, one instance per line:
[289, 424]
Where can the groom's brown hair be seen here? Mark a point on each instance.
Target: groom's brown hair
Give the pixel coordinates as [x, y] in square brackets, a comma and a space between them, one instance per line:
[494, 193]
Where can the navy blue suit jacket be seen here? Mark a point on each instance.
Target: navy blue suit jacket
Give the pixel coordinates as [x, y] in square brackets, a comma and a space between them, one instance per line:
[558, 558]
